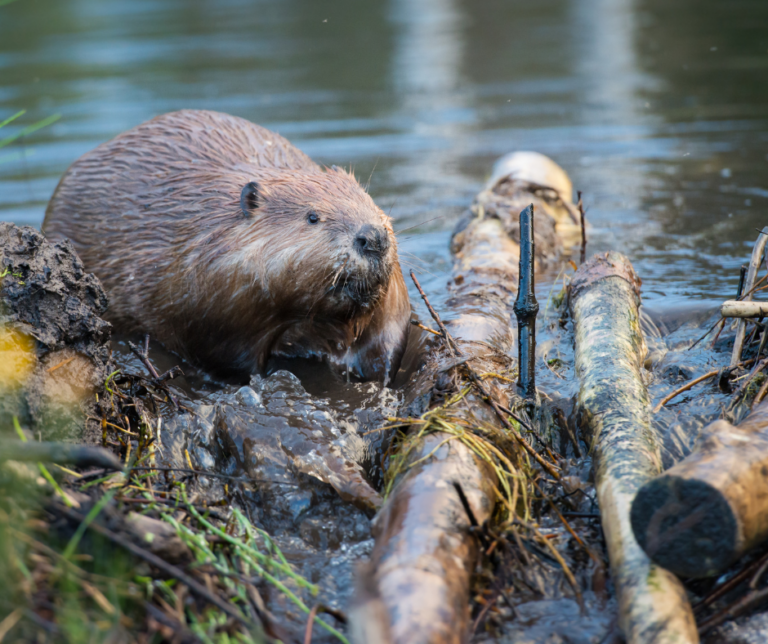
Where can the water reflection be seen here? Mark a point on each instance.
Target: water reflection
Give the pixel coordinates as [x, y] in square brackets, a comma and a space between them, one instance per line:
[658, 110]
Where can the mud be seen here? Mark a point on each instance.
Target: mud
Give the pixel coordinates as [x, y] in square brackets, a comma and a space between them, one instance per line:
[52, 333]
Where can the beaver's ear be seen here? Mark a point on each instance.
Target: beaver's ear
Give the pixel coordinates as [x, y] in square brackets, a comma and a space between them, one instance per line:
[249, 198]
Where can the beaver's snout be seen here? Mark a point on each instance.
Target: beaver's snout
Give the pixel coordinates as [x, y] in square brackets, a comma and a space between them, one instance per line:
[372, 241]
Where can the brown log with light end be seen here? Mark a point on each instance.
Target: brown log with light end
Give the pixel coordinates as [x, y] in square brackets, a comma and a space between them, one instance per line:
[704, 513]
[614, 404]
[425, 553]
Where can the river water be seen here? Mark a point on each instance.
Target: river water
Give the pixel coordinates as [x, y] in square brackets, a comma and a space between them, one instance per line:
[657, 110]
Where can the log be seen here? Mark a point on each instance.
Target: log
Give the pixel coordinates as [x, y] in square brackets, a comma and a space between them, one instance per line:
[424, 552]
[614, 404]
[704, 513]
[737, 309]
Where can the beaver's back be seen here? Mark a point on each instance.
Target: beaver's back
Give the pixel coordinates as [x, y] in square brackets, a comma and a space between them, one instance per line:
[133, 204]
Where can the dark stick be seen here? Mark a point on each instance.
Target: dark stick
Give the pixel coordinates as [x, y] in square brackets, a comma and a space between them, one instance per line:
[482, 389]
[526, 307]
[742, 277]
[729, 585]
[61, 453]
[144, 357]
[241, 479]
[465, 504]
[446, 336]
[583, 230]
[169, 569]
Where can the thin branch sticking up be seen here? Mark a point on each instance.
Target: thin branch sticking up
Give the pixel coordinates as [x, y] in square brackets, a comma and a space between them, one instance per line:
[583, 254]
[451, 344]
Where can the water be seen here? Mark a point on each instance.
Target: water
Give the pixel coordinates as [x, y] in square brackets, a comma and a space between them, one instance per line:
[659, 111]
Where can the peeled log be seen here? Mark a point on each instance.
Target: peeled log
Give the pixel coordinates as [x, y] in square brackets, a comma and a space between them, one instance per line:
[737, 309]
[614, 403]
[424, 553]
[708, 510]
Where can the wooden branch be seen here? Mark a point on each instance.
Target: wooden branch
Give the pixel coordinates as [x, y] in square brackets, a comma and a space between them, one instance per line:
[613, 400]
[60, 453]
[526, 307]
[708, 510]
[736, 309]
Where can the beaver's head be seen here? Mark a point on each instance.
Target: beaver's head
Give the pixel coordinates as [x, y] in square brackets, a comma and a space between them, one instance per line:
[316, 242]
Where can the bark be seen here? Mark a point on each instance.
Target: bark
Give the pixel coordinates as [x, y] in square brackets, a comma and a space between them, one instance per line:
[708, 510]
[424, 553]
[614, 404]
[736, 309]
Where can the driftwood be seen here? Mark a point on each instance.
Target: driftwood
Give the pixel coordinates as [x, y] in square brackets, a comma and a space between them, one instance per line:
[614, 404]
[754, 263]
[736, 309]
[702, 514]
[425, 551]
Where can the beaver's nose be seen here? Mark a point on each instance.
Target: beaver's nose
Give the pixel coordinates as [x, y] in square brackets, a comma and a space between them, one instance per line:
[372, 241]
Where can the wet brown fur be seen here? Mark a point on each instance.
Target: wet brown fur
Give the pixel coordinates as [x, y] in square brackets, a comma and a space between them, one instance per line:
[156, 214]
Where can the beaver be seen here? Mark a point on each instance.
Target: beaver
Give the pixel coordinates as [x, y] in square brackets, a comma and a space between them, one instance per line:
[229, 245]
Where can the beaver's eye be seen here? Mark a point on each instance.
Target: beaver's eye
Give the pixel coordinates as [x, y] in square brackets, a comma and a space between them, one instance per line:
[312, 218]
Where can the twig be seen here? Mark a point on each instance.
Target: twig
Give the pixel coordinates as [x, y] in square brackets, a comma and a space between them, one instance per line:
[730, 584]
[242, 479]
[754, 264]
[742, 388]
[526, 307]
[444, 332]
[734, 610]
[483, 391]
[310, 622]
[708, 331]
[144, 357]
[761, 393]
[684, 388]
[465, 504]
[583, 255]
[425, 328]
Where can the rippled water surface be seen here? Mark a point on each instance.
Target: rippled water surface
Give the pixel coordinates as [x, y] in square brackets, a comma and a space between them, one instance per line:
[658, 110]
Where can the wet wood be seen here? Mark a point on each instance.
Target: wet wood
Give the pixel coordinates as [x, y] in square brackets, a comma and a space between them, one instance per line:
[708, 510]
[614, 406]
[736, 309]
[526, 308]
[425, 553]
[754, 263]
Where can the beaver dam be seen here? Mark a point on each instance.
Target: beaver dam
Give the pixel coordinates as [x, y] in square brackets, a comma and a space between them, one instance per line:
[550, 466]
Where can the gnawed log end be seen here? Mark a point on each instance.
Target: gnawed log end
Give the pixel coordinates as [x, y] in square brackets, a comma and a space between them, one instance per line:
[685, 526]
